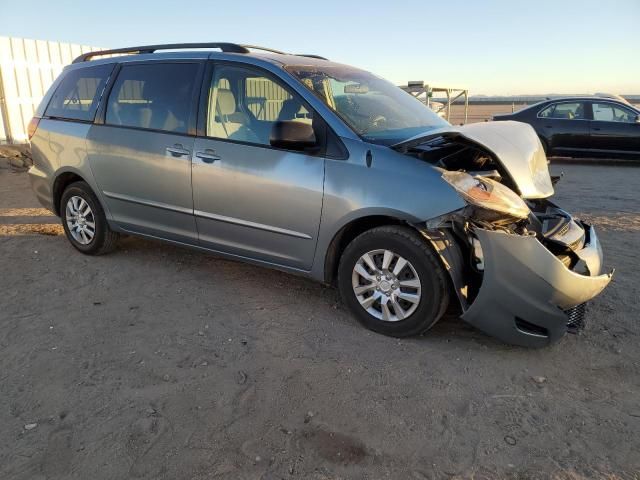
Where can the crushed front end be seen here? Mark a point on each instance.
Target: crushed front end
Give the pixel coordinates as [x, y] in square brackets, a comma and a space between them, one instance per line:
[526, 285]
[522, 268]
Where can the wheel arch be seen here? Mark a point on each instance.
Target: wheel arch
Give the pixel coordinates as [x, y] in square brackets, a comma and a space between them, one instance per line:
[61, 182]
[65, 177]
[347, 233]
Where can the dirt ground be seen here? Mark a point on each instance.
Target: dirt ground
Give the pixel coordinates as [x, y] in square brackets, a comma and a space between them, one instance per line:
[161, 363]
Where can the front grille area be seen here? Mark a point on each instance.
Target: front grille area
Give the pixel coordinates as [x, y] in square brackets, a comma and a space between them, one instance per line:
[576, 319]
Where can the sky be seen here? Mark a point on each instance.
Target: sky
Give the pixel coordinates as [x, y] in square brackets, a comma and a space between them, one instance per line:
[492, 47]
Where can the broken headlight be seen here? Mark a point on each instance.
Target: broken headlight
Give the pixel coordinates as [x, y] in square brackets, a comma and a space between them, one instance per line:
[487, 194]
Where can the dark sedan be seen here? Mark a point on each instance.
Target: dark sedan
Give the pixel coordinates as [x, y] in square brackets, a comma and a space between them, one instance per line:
[583, 126]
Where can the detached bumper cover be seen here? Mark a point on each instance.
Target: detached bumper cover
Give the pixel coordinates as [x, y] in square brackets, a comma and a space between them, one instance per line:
[525, 288]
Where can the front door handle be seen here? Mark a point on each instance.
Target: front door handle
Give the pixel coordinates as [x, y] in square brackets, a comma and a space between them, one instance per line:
[208, 156]
[177, 150]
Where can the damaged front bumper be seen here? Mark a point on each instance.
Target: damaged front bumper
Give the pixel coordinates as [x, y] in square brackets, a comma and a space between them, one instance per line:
[526, 292]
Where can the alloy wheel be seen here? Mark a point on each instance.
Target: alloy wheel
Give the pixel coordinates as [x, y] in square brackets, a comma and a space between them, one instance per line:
[80, 220]
[386, 285]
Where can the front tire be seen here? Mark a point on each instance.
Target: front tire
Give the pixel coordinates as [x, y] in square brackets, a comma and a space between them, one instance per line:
[393, 282]
[84, 221]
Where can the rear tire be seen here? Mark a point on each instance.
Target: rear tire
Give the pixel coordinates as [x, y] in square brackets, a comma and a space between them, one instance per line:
[412, 284]
[84, 221]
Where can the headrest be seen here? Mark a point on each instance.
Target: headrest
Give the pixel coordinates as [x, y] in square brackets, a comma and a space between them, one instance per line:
[226, 102]
[290, 109]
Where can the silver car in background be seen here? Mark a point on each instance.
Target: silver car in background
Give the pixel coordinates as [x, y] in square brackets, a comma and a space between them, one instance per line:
[320, 169]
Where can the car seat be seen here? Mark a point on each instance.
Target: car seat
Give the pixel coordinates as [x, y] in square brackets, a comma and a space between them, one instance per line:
[228, 122]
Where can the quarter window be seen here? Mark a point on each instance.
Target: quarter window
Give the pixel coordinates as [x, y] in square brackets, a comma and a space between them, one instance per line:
[153, 96]
[78, 95]
[608, 112]
[565, 111]
[244, 105]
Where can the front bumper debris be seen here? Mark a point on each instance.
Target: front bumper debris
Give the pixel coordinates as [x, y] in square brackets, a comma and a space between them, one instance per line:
[526, 296]
[526, 290]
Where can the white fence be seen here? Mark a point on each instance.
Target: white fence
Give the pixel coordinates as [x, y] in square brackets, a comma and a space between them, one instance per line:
[27, 69]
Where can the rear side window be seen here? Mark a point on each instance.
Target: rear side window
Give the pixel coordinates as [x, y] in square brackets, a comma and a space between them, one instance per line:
[565, 111]
[156, 96]
[78, 95]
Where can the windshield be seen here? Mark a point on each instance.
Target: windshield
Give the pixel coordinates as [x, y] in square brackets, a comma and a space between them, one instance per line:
[374, 108]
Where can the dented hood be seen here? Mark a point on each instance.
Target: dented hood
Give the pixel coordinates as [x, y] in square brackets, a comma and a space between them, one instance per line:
[515, 146]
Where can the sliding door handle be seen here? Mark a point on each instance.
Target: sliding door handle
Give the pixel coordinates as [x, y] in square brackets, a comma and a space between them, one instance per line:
[177, 150]
[208, 156]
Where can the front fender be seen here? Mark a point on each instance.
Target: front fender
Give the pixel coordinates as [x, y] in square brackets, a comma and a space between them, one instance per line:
[391, 184]
[390, 181]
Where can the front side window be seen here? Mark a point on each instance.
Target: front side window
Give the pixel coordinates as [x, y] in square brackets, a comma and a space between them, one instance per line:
[244, 104]
[156, 96]
[608, 112]
[565, 111]
[79, 93]
[375, 109]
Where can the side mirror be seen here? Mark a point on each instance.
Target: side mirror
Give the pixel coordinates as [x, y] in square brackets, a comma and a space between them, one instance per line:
[292, 135]
[638, 118]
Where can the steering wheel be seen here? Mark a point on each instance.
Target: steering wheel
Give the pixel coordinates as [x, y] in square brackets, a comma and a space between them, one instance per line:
[377, 120]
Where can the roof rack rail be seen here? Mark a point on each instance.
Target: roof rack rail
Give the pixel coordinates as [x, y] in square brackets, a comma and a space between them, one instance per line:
[271, 50]
[224, 46]
[309, 55]
[264, 49]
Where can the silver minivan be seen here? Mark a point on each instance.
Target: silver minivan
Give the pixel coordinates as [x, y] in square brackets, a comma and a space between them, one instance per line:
[319, 169]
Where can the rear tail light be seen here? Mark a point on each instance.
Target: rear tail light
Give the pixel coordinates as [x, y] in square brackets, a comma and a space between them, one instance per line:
[33, 126]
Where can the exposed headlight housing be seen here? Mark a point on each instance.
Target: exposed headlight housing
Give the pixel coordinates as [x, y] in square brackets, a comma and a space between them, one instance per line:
[487, 194]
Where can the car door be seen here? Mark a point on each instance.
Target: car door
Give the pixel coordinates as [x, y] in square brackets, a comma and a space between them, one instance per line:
[565, 126]
[614, 128]
[140, 154]
[251, 199]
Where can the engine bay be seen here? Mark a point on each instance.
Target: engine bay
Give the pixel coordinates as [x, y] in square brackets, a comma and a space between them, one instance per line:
[460, 154]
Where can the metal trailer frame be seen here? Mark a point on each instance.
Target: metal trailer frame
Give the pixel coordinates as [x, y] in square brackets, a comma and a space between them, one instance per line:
[418, 88]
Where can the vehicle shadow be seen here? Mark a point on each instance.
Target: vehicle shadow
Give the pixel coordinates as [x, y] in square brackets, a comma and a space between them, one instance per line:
[28, 221]
[324, 299]
[37, 222]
